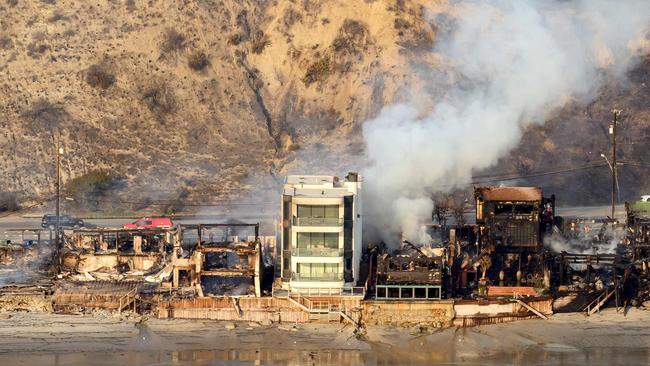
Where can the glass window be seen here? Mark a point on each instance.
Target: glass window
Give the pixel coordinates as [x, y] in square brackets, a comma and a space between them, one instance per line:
[304, 211]
[318, 211]
[331, 267]
[332, 240]
[332, 212]
[317, 270]
[317, 240]
[302, 240]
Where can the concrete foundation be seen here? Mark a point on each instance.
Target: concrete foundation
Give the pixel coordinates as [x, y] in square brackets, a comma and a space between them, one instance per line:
[407, 313]
[443, 313]
[234, 309]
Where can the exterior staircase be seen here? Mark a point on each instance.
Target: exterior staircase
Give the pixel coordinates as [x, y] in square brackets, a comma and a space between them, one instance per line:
[320, 310]
[601, 300]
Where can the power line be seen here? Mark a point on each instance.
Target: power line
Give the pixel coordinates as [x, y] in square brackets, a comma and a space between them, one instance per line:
[588, 164]
[167, 203]
[536, 174]
[229, 203]
[641, 164]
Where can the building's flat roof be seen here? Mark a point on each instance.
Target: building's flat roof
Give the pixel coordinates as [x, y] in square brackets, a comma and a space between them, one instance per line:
[310, 179]
[315, 192]
[509, 193]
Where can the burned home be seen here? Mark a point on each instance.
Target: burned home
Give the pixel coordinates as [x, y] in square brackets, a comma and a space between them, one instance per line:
[638, 234]
[111, 251]
[123, 266]
[511, 223]
[503, 266]
[221, 262]
[409, 274]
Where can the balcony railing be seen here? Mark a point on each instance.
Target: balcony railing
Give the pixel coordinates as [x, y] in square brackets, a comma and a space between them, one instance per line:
[317, 221]
[318, 252]
[323, 277]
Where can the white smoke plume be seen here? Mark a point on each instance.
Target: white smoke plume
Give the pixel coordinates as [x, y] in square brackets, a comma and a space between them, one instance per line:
[588, 239]
[516, 60]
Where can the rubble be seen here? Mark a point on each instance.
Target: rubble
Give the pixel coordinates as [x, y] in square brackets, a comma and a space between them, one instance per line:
[517, 261]
[408, 274]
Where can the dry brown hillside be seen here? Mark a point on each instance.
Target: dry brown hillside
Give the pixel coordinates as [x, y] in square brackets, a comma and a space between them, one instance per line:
[196, 94]
[187, 99]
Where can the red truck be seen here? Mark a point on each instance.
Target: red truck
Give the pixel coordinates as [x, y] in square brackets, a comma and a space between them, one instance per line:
[150, 223]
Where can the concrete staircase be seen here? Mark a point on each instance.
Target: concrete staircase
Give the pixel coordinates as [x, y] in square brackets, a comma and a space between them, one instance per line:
[323, 310]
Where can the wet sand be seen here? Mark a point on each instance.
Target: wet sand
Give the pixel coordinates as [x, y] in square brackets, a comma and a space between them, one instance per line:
[608, 338]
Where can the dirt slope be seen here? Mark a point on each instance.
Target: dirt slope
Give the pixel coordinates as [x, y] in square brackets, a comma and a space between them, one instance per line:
[186, 100]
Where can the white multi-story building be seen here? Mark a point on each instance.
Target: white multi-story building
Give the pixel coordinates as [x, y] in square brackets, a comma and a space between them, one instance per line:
[321, 232]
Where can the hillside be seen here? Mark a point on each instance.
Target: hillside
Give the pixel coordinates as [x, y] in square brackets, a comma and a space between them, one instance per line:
[191, 101]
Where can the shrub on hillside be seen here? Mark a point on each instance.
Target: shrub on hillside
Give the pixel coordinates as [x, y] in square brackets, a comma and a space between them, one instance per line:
[353, 37]
[178, 204]
[90, 189]
[57, 16]
[173, 41]
[318, 71]
[45, 116]
[198, 61]
[159, 98]
[9, 201]
[6, 43]
[259, 41]
[98, 77]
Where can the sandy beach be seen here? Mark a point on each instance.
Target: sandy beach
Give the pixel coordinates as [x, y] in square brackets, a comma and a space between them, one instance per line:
[608, 338]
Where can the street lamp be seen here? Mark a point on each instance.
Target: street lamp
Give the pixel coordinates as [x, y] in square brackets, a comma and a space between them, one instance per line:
[614, 176]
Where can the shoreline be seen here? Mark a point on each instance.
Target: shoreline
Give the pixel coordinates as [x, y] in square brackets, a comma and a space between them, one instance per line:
[25, 336]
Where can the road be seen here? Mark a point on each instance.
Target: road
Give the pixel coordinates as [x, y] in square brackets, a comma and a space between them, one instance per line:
[591, 211]
[11, 227]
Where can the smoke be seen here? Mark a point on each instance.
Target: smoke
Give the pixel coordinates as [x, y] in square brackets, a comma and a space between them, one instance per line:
[25, 264]
[588, 239]
[516, 61]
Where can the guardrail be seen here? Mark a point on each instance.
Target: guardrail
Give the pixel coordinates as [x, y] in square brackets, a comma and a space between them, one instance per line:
[322, 277]
[318, 252]
[317, 221]
[342, 291]
[127, 299]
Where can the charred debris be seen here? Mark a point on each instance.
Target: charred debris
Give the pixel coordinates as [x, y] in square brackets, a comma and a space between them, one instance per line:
[519, 247]
[136, 269]
[517, 255]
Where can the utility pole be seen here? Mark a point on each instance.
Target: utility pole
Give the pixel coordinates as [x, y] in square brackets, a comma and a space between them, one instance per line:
[57, 235]
[612, 131]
